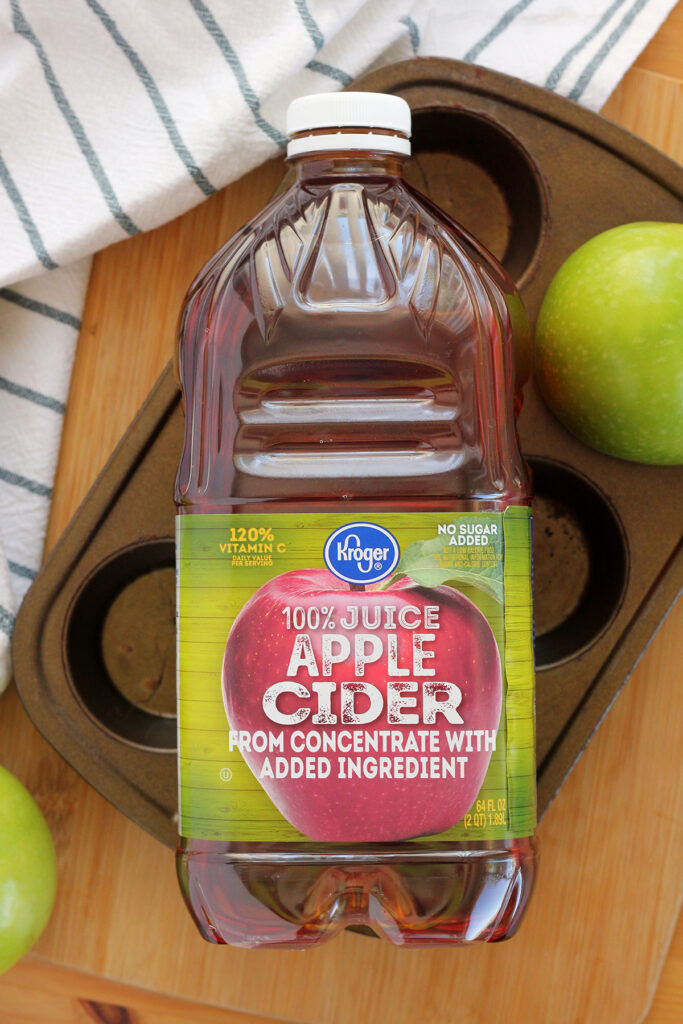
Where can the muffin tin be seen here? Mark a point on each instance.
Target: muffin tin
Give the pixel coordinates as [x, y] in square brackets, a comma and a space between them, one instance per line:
[532, 176]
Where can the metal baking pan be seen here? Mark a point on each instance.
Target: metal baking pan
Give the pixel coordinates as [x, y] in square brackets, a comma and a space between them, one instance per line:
[533, 176]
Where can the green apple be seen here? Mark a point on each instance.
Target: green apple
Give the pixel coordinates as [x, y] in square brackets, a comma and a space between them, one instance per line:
[28, 870]
[609, 343]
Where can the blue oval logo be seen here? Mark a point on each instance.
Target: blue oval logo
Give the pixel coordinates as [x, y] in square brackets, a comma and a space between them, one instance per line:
[361, 553]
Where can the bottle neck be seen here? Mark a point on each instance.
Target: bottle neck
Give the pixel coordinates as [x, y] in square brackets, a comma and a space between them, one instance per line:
[348, 164]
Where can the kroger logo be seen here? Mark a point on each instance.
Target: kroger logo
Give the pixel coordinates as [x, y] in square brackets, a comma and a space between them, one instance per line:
[361, 553]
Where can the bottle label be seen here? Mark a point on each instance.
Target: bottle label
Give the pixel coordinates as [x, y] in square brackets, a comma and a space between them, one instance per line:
[356, 680]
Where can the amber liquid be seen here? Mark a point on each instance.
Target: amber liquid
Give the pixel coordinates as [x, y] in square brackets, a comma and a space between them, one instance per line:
[352, 350]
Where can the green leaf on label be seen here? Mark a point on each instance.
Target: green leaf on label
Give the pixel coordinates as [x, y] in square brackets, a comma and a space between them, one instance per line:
[419, 562]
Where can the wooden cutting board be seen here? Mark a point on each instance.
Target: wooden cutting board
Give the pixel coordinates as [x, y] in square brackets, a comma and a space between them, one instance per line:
[600, 922]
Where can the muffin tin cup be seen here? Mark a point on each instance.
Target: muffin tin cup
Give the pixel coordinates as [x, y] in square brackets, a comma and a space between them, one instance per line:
[532, 176]
[479, 173]
[581, 562]
[120, 645]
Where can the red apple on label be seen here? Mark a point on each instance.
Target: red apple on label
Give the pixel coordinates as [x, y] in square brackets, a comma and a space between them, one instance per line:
[420, 660]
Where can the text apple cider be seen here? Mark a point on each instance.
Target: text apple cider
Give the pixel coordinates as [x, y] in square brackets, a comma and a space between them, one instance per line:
[355, 666]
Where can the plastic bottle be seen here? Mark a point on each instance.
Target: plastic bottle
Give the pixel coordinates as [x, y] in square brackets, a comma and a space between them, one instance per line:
[356, 689]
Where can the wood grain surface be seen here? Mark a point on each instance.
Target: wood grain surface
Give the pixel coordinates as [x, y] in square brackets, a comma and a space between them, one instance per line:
[120, 946]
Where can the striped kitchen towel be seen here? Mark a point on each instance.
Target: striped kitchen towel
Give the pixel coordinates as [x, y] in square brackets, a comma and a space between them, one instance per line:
[118, 115]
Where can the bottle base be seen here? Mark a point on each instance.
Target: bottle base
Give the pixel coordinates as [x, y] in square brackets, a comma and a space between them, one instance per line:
[298, 902]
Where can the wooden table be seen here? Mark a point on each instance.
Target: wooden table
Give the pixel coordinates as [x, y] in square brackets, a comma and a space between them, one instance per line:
[599, 927]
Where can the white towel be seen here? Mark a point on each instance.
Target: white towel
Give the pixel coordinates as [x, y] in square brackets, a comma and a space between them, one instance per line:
[118, 115]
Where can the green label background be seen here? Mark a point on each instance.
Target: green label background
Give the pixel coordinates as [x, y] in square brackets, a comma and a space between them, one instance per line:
[219, 797]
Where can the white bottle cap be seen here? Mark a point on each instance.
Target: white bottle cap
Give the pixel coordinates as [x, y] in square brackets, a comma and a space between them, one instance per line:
[335, 110]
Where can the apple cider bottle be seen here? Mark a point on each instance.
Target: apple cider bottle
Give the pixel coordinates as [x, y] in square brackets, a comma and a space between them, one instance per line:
[355, 655]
